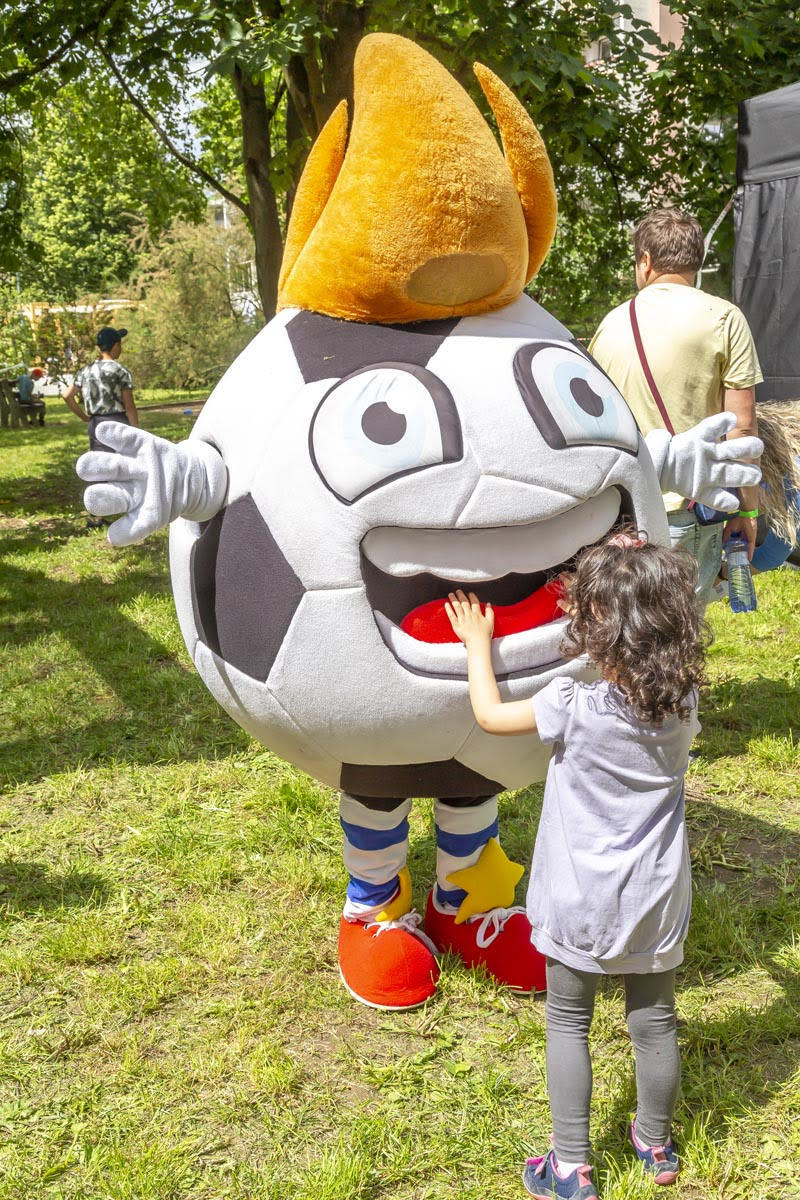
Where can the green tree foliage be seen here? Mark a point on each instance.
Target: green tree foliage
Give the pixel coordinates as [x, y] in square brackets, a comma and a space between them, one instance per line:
[217, 123]
[95, 175]
[190, 324]
[747, 48]
[16, 335]
[731, 50]
[288, 65]
[42, 46]
[620, 137]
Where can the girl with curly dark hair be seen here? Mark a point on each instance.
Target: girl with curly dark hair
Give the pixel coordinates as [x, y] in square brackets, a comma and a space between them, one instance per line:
[610, 886]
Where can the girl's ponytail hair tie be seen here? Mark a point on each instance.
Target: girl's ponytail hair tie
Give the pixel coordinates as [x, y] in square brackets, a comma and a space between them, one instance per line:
[626, 541]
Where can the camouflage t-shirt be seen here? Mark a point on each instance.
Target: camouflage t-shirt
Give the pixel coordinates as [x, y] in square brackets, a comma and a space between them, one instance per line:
[101, 384]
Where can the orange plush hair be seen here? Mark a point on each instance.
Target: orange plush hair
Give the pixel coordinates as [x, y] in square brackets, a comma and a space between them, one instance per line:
[419, 215]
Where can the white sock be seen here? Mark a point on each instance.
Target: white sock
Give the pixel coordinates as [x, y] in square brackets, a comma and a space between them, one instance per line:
[566, 1168]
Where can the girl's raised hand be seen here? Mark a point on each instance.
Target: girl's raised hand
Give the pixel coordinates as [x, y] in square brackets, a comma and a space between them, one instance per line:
[464, 614]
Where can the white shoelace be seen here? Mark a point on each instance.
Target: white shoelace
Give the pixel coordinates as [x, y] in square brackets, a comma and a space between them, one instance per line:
[409, 922]
[492, 924]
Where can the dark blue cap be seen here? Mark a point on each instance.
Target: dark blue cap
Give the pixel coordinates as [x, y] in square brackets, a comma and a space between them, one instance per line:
[108, 337]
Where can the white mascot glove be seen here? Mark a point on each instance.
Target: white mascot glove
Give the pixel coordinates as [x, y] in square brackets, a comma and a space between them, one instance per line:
[150, 480]
[697, 465]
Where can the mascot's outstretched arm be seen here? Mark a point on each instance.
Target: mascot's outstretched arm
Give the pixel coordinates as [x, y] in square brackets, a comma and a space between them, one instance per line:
[151, 481]
[697, 465]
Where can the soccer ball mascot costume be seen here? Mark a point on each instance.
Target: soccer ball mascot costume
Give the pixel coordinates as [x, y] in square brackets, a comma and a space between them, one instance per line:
[410, 422]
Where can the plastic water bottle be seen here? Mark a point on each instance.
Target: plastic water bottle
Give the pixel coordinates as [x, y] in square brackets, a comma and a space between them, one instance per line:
[740, 580]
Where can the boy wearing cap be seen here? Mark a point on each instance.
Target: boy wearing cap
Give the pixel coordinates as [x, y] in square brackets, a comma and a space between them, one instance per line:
[106, 388]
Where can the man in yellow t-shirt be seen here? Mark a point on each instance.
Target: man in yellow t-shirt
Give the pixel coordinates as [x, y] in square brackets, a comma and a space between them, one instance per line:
[702, 358]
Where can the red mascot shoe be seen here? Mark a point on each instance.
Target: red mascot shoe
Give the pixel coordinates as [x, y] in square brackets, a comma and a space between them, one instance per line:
[499, 940]
[388, 964]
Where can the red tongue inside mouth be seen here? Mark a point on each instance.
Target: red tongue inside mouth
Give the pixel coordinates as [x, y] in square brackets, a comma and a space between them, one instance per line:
[429, 622]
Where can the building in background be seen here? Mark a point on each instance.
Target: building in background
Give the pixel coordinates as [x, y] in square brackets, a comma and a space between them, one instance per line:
[242, 275]
[666, 24]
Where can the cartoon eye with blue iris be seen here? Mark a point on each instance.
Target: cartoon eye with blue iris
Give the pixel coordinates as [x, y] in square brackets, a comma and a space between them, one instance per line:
[572, 402]
[380, 423]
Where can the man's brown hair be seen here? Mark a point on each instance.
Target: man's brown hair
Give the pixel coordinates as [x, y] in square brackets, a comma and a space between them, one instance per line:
[672, 238]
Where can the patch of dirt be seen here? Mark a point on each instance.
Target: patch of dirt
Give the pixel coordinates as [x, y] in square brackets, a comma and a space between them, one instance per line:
[196, 407]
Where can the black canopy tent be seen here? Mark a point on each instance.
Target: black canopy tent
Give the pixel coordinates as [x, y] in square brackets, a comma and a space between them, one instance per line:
[766, 274]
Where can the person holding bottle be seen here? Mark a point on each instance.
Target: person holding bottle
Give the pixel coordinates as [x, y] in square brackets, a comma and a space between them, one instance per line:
[678, 355]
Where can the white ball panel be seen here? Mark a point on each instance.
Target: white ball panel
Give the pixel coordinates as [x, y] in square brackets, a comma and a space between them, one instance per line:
[638, 477]
[242, 412]
[429, 499]
[524, 319]
[500, 431]
[182, 536]
[498, 503]
[514, 762]
[518, 761]
[338, 679]
[252, 706]
[318, 535]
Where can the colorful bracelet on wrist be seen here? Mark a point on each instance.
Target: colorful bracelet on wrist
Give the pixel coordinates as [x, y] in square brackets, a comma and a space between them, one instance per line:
[752, 513]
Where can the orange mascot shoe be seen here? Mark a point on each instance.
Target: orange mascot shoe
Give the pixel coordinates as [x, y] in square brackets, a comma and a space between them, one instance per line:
[388, 964]
[499, 940]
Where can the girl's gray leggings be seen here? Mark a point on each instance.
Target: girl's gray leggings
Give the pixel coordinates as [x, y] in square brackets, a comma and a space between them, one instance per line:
[650, 1009]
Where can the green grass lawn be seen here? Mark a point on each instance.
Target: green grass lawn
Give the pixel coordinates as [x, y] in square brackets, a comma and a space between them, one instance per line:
[173, 1024]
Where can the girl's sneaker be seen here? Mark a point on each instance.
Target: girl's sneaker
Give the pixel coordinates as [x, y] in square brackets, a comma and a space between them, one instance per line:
[542, 1180]
[659, 1161]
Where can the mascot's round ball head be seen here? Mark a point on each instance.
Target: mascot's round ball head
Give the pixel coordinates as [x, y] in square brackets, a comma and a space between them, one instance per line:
[410, 422]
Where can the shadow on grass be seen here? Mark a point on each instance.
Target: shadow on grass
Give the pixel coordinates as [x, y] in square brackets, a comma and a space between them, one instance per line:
[744, 925]
[162, 708]
[56, 490]
[29, 887]
[733, 711]
[53, 490]
[746, 920]
[159, 696]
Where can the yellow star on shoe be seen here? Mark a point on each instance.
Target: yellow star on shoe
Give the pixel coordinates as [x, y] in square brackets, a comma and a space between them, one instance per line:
[489, 883]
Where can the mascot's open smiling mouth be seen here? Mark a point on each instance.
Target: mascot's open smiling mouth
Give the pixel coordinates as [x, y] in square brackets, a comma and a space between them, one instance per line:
[409, 572]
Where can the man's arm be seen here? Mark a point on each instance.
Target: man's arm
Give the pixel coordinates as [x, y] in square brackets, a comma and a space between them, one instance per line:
[69, 399]
[741, 402]
[130, 408]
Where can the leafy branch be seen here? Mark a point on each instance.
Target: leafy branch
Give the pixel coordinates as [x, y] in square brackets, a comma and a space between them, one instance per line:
[175, 150]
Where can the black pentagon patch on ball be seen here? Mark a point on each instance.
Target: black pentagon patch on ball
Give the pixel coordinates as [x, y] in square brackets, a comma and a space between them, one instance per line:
[330, 348]
[244, 593]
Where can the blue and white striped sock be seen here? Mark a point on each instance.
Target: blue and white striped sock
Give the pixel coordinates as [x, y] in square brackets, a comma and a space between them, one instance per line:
[375, 850]
[461, 834]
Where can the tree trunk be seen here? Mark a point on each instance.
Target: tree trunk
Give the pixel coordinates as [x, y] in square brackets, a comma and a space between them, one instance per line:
[320, 77]
[257, 155]
[349, 21]
[314, 90]
[297, 145]
[5, 406]
[315, 86]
